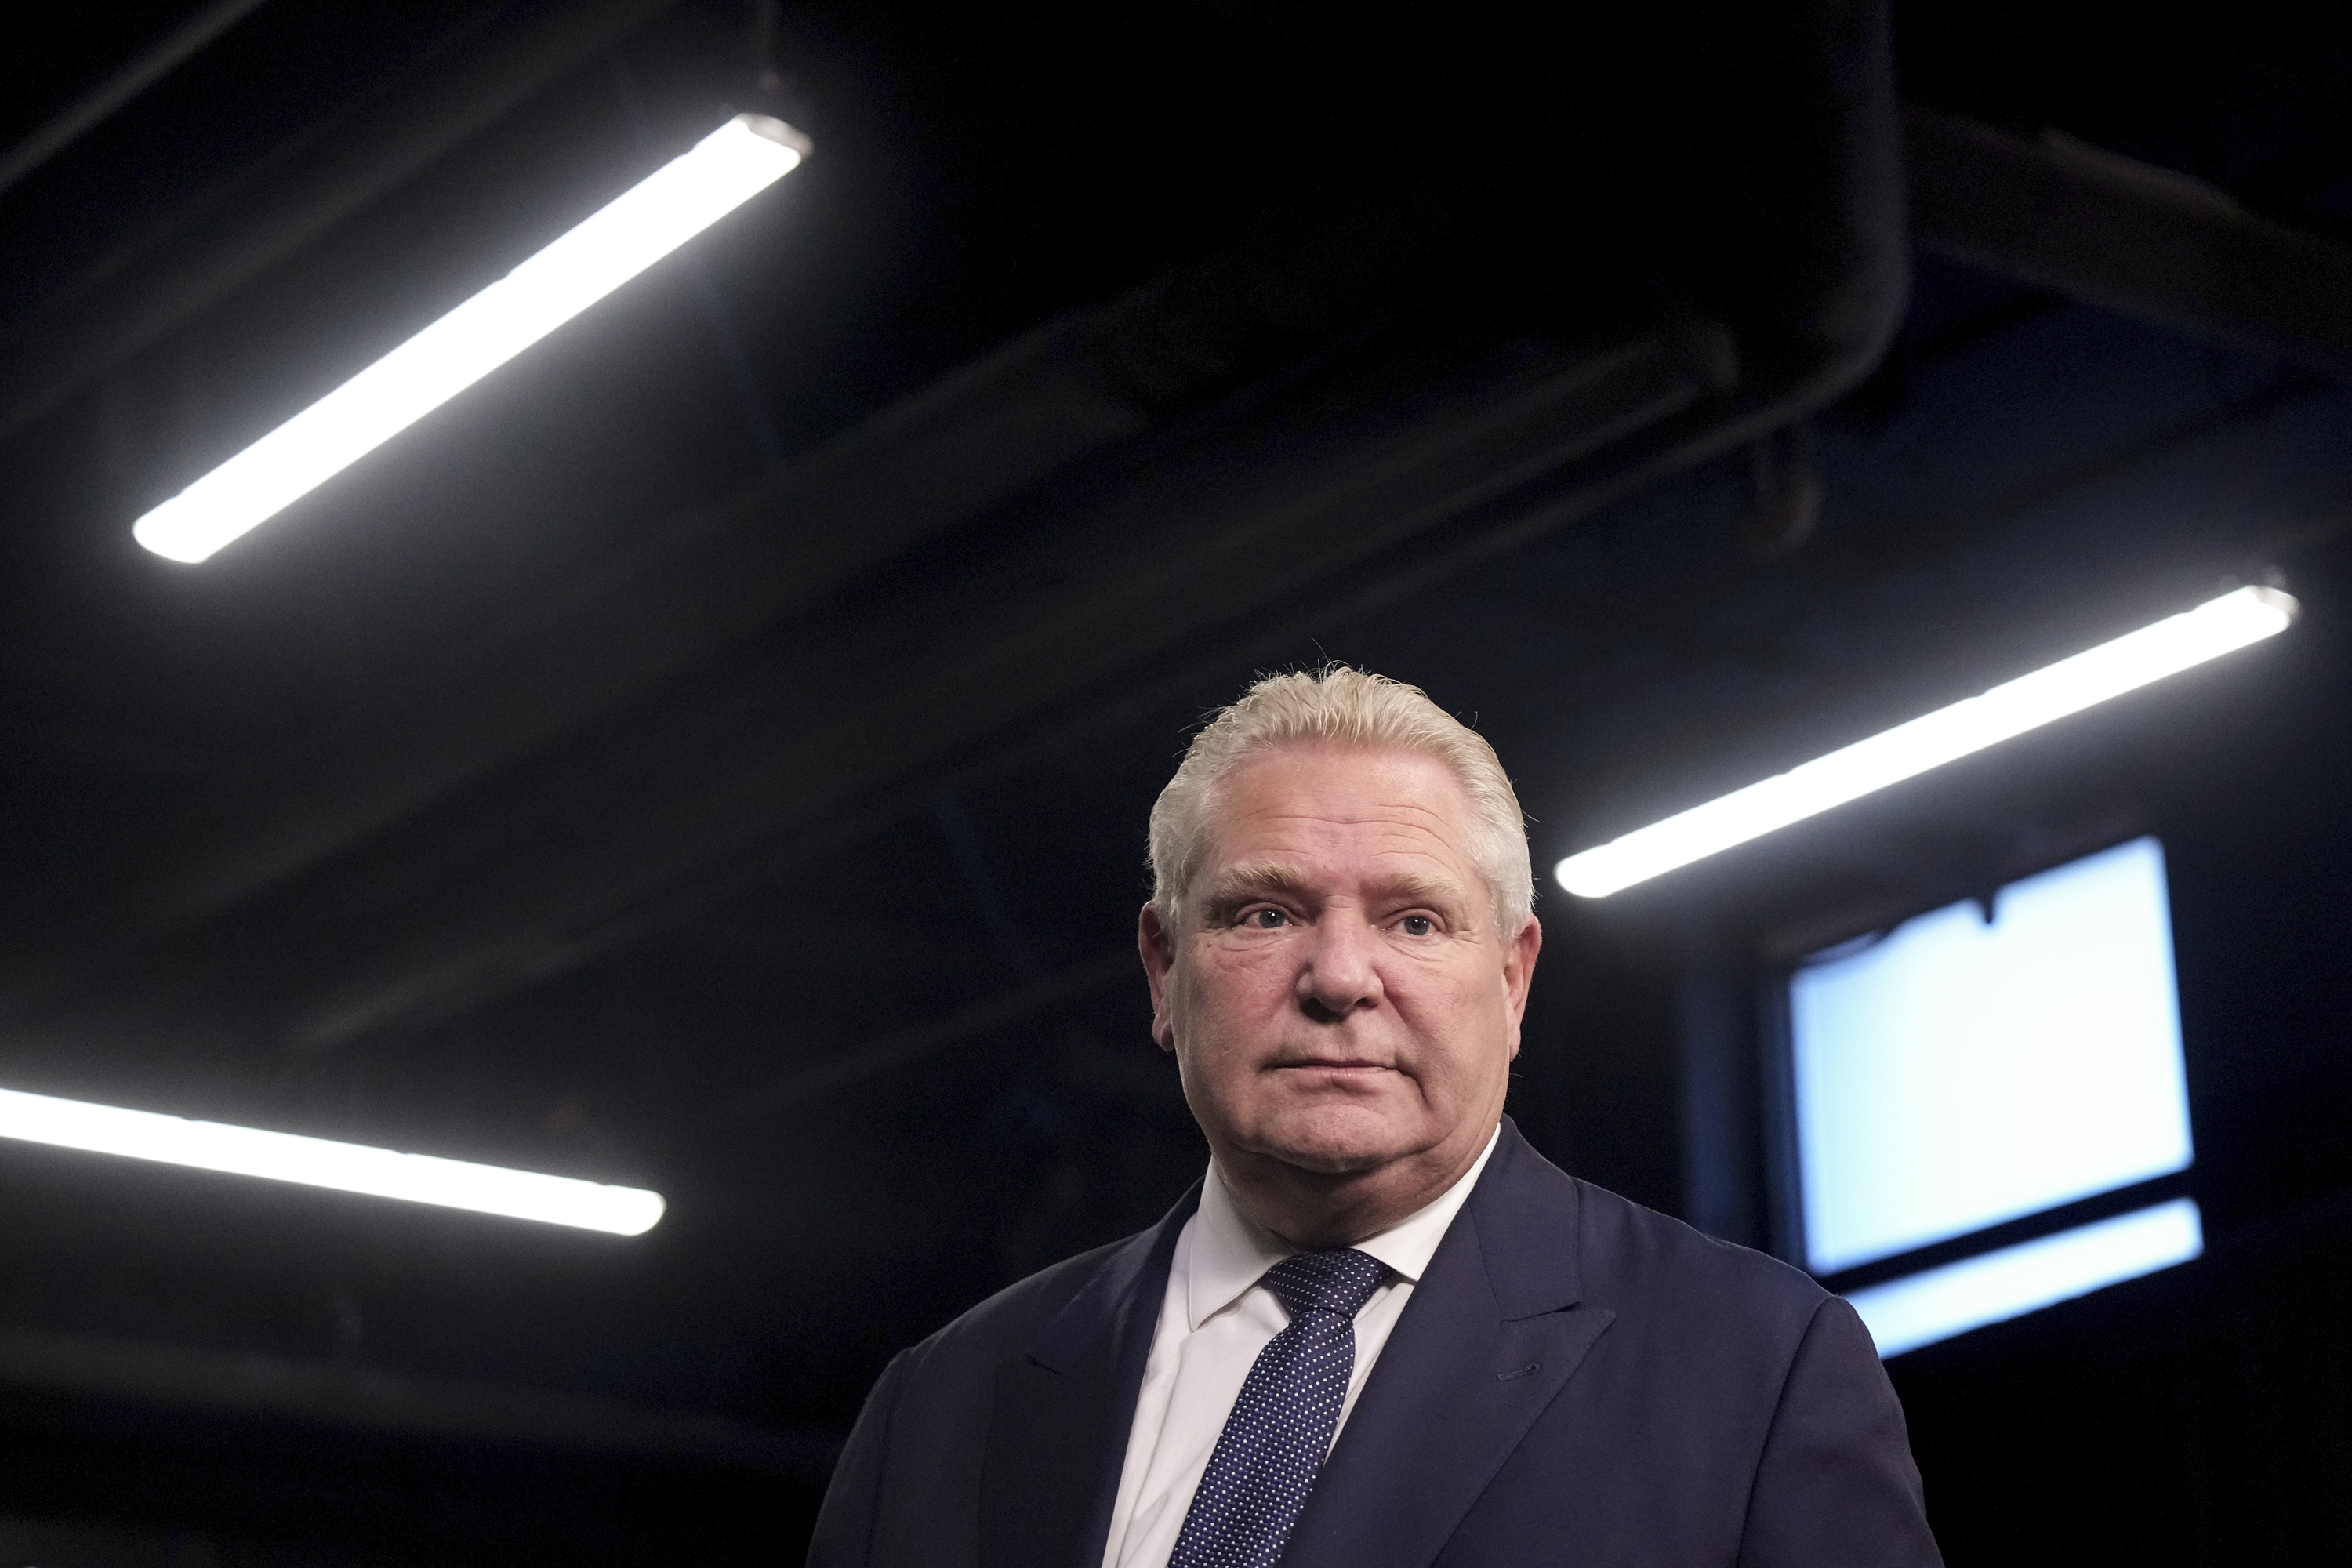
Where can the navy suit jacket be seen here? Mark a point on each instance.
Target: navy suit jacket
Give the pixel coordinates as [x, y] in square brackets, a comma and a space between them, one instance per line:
[1576, 1380]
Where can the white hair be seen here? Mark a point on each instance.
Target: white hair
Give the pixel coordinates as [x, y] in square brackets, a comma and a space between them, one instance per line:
[1341, 706]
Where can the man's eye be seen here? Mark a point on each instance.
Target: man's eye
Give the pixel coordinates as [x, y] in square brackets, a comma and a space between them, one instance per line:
[1417, 925]
[1266, 920]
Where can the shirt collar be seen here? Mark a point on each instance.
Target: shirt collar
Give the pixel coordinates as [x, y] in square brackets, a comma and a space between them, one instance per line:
[1230, 1252]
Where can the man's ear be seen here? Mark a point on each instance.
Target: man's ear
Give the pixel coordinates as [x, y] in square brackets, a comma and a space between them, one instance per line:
[1519, 971]
[1156, 946]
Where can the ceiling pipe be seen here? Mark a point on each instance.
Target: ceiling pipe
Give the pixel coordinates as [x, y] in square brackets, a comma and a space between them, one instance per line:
[224, 239]
[2142, 241]
[147, 68]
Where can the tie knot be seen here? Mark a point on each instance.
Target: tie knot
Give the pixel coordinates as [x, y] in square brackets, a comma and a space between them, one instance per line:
[1337, 1279]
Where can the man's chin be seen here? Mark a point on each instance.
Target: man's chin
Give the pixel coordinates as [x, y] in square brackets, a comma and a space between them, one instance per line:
[1336, 1146]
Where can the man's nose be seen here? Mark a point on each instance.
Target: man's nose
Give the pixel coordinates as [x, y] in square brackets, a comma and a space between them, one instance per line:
[1342, 968]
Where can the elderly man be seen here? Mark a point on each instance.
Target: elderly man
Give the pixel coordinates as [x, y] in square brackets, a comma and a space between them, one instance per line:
[1381, 1329]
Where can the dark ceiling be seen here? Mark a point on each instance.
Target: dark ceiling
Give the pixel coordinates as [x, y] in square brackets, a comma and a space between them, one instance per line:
[713, 752]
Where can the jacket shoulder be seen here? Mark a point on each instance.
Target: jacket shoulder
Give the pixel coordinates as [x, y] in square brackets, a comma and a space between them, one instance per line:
[1637, 1256]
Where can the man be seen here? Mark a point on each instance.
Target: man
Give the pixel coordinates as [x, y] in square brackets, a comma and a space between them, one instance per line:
[1381, 1329]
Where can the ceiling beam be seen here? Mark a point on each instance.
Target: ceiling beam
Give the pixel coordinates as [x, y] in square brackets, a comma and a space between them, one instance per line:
[223, 238]
[135, 76]
[2144, 242]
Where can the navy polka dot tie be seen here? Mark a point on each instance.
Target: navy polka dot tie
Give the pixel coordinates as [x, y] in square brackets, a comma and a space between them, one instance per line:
[1281, 1427]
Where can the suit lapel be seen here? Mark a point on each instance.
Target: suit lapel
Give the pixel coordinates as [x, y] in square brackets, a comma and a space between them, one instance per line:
[1058, 1428]
[1491, 1335]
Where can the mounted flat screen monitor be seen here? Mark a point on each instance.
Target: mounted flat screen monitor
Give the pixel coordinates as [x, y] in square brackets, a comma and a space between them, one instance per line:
[1984, 1063]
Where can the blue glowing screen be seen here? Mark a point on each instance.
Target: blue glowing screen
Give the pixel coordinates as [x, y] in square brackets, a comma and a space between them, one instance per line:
[1958, 1072]
[1936, 1303]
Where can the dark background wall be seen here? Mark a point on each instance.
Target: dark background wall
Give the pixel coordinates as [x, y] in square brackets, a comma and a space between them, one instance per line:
[662, 767]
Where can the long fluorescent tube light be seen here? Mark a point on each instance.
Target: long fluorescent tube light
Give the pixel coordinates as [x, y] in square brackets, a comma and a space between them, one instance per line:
[660, 213]
[322, 1162]
[2129, 662]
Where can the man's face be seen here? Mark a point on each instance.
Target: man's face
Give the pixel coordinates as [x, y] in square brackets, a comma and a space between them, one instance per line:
[1339, 997]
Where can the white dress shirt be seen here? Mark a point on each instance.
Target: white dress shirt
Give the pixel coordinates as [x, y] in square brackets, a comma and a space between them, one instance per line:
[1213, 1320]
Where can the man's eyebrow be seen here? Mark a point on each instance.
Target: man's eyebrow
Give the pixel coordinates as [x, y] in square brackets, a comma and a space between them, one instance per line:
[1407, 888]
[1250, 880]
[1236, 883]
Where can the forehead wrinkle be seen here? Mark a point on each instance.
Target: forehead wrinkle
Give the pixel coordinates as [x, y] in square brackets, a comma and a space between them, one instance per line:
[1403, 828]
[1413, 816]
[1393, 763]
[1291, 823]
[1387, 831]
[1237, 882]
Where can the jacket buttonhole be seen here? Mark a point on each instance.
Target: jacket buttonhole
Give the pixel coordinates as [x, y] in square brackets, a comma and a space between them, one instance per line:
[1506, 1376]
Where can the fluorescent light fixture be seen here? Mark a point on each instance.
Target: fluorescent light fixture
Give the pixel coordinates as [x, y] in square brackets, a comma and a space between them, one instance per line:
[2129, 662]
[1907, 1313]
[662, 212]
[322, 1162]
